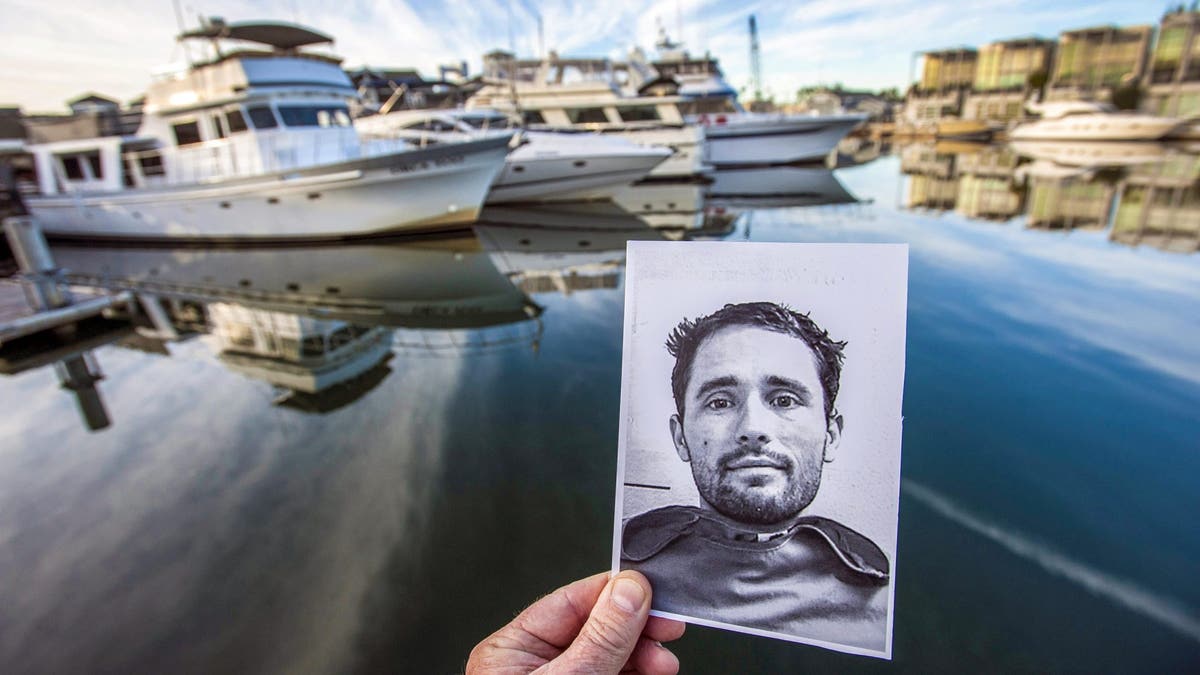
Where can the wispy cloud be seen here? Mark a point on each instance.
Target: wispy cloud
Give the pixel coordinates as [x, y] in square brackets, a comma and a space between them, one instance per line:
[58, 50]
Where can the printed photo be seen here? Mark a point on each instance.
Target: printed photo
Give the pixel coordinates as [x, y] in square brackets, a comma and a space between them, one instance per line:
[759, 452]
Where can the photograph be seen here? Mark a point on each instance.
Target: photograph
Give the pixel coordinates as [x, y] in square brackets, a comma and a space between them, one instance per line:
[759, 452]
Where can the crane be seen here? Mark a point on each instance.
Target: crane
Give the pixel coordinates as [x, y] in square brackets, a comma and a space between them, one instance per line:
[755, 63]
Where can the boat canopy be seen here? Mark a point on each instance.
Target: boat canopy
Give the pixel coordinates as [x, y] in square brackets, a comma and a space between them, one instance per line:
[275, 34]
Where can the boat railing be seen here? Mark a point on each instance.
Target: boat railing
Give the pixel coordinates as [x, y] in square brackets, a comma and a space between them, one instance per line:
[253, 155]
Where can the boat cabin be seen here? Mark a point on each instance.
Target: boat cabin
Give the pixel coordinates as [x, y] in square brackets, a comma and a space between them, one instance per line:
[243, 111]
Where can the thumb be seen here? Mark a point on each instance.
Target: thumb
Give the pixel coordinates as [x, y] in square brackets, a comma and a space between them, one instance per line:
[613, 628]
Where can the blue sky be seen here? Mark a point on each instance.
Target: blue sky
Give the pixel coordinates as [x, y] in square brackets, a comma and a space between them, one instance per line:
[54, 50]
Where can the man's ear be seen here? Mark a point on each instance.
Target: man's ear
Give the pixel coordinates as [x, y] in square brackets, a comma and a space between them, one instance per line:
[833, 436]
[680, 442]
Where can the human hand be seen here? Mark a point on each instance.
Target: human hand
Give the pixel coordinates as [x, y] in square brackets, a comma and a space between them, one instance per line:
[591, 626]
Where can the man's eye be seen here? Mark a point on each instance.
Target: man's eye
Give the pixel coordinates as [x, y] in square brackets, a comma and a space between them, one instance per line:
[785, 401]
[718, 404]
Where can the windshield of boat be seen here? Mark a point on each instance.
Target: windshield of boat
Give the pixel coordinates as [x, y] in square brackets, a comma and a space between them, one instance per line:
[487, 121]
[329, 115]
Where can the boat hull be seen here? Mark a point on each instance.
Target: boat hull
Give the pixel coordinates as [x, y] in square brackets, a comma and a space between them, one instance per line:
[424, 189]
[690, 156]
[775, 140]
[569, 178]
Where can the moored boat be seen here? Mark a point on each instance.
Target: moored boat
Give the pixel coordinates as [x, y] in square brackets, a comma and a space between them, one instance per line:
[545, 166]
[256, 145]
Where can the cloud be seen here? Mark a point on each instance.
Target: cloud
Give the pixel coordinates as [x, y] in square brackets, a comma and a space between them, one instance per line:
[62, 49]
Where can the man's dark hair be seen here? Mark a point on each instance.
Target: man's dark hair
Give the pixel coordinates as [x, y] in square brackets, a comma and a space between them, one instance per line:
[685, 340]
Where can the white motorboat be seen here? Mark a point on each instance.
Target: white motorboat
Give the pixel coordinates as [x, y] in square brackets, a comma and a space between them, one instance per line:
[747, 139]
[666, 97]
[733, 136]
[545, 166]
[581, 94]
[257, 145]
[1090, 121]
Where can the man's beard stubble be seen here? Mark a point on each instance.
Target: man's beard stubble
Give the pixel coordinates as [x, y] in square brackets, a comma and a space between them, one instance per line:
[746, 505]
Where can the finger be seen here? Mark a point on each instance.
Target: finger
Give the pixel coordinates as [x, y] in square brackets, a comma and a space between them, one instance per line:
[663, 630]
[557, 618]
[651, 658]
[612, 631]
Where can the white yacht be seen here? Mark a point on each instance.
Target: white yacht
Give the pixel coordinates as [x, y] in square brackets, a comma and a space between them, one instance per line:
[735, 137]
[257, 144]
[587, 94]
[545, 166]
[1090, 121]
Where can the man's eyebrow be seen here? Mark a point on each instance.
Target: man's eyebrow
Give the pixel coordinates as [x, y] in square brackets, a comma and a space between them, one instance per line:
[788, 383]
[715, 383]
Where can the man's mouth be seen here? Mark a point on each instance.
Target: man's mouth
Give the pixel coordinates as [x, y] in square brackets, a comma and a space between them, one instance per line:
[755, 462]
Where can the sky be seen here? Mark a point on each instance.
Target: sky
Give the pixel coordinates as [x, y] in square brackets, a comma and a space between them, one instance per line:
[52, 52]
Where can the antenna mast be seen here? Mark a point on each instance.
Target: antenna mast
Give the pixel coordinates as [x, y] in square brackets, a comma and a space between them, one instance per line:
[755, 63]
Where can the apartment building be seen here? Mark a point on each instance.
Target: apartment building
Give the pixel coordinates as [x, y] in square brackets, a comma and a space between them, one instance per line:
[1172, 80]
[945, 77]
[1096, 63]
[1006, 75]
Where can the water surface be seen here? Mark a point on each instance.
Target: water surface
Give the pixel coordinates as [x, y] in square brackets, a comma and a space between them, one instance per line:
[365, 459]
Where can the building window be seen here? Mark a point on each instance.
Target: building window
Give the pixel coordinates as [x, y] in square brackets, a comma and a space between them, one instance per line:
[216, 122]
[236, 121]
[262, 117]
[532, 117]
[587, 116]
[187, 133]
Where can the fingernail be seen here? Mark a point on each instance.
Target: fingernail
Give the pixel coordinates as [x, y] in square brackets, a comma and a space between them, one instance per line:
[628, 594]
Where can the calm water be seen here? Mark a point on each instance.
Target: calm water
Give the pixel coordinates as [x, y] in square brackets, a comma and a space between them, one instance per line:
[365, 459]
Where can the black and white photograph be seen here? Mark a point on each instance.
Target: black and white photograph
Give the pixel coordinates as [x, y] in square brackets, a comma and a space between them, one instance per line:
[758, 468]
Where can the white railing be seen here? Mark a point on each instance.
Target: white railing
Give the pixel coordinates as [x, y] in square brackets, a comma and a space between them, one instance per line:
[253, 155]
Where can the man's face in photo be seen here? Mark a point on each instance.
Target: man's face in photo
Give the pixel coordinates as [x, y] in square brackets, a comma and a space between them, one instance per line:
[754, 427]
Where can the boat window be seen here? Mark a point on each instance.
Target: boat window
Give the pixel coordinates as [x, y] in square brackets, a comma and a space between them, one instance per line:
[93, 160]
[430, 124]
[707, 106]
[312, 345]
[262, 117]
[186, 133]
[641, 113]
[487, 122]
[314, 116]
[72, 167]
[236, 121]
[587, 116]
[533, 117]
[152, 164]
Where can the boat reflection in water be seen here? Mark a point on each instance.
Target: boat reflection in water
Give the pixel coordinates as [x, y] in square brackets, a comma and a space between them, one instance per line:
[1140, 193]
[320, 324]
[709, 207]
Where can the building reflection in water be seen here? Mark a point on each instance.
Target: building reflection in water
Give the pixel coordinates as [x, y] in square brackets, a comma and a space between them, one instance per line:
[1140, 193]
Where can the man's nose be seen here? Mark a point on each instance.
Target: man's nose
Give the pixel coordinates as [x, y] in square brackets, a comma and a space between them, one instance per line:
[752, 427]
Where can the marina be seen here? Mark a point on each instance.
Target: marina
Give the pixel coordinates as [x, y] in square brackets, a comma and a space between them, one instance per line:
[314, 367]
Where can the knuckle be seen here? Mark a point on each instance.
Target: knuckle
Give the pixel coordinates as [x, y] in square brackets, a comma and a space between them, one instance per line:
[606, 636]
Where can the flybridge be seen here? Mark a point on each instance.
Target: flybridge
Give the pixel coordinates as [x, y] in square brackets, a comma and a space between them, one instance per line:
[235, 72]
